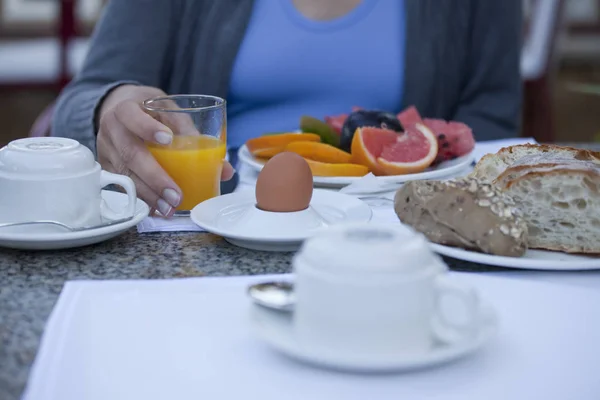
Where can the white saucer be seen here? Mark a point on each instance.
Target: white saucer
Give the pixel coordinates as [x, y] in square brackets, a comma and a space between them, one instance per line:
[533, 259]
[235, 217]
[42, 239]
[275, 328]
[444, 170]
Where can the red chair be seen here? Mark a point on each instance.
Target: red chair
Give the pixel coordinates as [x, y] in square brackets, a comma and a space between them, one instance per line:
[537, 68]
[67, 31]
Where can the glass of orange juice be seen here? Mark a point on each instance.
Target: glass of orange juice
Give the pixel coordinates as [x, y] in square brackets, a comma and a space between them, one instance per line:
[194, 159]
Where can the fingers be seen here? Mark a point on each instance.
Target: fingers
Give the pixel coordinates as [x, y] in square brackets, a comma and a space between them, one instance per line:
[130, 115]
[129, 156]
[228, 171]
[150, 197]
[145, 193]
[180, 123]
[121, 145]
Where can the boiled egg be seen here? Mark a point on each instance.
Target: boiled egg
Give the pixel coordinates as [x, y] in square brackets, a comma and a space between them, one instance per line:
[285, 184]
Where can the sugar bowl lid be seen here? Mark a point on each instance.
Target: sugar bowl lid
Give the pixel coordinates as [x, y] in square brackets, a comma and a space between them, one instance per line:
[369, 248]
[45, 156]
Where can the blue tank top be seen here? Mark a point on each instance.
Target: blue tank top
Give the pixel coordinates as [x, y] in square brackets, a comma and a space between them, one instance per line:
[289, 66]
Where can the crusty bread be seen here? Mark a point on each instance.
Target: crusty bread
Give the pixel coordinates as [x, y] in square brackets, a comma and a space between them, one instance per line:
[558, 190]
[492, 165]
[463, 213]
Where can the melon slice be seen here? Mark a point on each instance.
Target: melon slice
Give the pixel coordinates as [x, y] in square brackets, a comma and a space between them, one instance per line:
[455, 139]
[410, 116]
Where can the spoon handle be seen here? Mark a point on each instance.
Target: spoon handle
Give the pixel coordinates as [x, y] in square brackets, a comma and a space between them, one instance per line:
[65, 226]
[10, 224]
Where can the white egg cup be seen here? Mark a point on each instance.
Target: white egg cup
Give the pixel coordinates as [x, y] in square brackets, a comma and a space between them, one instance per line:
[58, 179]
[279, 225]
[236, 217]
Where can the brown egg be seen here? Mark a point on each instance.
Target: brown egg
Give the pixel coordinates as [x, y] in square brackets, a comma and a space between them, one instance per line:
[285, 184]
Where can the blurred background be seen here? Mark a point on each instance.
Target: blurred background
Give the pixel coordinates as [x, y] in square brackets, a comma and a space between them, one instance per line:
[43, 44]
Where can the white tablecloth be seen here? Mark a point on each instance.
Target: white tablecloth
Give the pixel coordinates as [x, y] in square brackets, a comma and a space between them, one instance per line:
[191, 339]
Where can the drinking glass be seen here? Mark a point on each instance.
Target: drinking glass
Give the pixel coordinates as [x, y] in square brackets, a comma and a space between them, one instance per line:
[194, 159]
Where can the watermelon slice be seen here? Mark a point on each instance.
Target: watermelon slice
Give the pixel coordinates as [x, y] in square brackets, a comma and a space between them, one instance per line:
[455, 139]
[409, 116]
[337, 121]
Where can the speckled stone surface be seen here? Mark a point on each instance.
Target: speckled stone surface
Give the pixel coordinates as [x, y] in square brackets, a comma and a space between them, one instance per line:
[30, 282]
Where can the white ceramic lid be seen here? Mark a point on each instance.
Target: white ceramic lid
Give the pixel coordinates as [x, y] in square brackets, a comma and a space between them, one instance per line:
[372, 248]
[45, 156]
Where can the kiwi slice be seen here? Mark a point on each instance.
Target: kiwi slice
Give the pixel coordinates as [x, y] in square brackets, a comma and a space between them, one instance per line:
[313, 125]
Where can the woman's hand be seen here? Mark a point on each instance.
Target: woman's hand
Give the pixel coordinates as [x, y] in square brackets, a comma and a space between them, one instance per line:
[123, 129]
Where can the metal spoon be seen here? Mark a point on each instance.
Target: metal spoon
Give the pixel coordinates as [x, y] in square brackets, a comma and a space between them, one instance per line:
[274, 295]
[65, 226]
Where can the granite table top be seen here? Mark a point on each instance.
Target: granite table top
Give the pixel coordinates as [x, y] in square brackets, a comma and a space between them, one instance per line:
[30, 282]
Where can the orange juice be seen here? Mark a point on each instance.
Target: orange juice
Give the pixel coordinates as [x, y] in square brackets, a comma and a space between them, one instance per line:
[195, 164]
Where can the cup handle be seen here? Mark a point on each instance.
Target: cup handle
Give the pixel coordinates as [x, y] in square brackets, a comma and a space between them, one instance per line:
[107, 178]
[451, 331]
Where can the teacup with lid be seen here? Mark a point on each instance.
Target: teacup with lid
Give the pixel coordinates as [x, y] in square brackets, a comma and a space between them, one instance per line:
[51, 178]
[372, 290]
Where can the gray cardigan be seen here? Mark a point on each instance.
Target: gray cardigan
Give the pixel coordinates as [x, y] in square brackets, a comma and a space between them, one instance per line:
[462, 59]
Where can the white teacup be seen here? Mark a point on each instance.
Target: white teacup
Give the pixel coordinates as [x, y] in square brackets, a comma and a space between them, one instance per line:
[51, 178]
[376, 290]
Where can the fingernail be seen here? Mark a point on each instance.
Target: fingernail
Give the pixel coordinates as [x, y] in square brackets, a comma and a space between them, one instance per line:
[163, 137]
[163, 207]
[172, 197]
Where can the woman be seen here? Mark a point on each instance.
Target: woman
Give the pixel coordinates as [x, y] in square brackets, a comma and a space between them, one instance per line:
[275, 60]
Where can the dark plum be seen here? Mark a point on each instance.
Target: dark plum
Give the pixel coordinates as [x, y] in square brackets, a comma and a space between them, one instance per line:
[370, 118]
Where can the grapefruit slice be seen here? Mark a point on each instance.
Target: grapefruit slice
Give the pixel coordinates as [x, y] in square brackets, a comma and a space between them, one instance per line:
[368, 144]
[387, 152]
[414, 152]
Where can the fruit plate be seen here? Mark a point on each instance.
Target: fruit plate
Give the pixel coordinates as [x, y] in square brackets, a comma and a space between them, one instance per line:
[533, 259]
[443, 170]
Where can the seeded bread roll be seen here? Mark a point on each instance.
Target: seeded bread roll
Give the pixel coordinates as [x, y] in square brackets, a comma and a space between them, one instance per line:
[463, 213]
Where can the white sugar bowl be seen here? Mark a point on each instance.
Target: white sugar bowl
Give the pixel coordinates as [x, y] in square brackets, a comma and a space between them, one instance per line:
[52, 178]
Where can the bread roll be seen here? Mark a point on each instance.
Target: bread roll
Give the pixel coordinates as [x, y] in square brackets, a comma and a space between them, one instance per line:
[492, 165]
[463, 213]
[558, 190]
